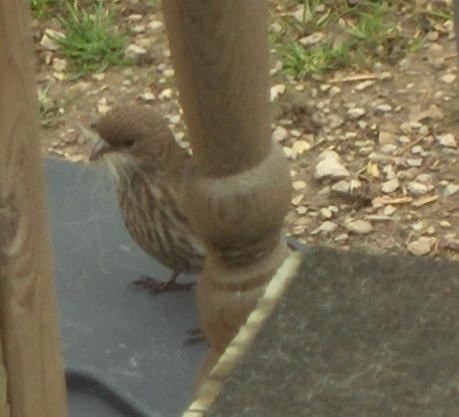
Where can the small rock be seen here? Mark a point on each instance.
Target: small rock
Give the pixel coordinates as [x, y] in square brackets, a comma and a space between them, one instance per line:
[147, 96]
[414, 162]
[363, 85]
[180, 136]
[341, 237]
[134, 52]
[404, 139]
[326, 227]
[277, 90]
[312, 39]
[175, 119]
[351, 135]
[155, 25]
[451, 189]
[138, 28]
[389, 210]
[335, 121]
[289, 152]
[100, 76]
[326, 213]
[134, 17]
[165, 94]
[301, 146]
[422, 246]
[384, 108]
[424, 178]
[386, 137]
[445, 223]
[389, 171]
[417, 188]
[280, 134]
[359, 227]
[356, 112]
[388, 148]
[301, 210]
[418, 227]
[297, 199]
[448, 78]
[299, 13]
[298, 230]
[354, 185]
[452, 243]
[334, 91]
[59, 64]
[432, 36]
[418, 150]
[341, 187]
[390, 186]
[59, 76]
[447, 140]
[298, 185]
[330, 166]
[50, 39]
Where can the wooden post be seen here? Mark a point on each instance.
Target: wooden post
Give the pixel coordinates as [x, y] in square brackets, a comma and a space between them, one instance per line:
[28, 312]
[4, 409]
[239, 190]
[456, 22]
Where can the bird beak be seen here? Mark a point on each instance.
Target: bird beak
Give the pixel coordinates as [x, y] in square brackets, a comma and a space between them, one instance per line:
[100, 148]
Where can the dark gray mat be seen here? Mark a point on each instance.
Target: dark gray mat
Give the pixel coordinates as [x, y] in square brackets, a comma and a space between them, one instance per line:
[123, 349]
[355, 335]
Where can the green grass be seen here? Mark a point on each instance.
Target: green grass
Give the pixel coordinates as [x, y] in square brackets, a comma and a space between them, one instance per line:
[311, 19]
[299, 61]
[376, 35]
[49, 110]
[439, 11]
[42, 8]
[91, 43]
[355, 36]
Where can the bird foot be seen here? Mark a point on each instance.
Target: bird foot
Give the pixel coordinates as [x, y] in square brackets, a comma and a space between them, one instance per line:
[155, 287]
[195, 336]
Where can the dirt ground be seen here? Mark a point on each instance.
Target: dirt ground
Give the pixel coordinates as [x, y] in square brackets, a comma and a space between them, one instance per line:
[391, 183]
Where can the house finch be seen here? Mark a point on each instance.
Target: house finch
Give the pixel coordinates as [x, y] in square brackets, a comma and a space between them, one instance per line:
[141, 151]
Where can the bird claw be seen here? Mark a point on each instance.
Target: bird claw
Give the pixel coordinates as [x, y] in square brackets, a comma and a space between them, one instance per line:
[156, 287]
[195, 336]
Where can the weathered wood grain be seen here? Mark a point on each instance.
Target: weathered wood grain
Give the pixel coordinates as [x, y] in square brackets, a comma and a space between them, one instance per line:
[239, 190]
[28, 311]
[4, 409]
[220, 50]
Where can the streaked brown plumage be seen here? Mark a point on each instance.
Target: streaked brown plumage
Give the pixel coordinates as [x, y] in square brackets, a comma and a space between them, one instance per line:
[142, 152]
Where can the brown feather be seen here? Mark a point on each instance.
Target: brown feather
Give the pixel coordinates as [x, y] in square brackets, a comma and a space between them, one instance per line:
[150, 166]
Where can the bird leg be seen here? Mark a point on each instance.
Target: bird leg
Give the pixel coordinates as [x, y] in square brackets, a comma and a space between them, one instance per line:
[156, 287]
[194, 336]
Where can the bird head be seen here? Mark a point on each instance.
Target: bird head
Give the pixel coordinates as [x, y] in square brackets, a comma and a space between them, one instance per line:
[133, 133]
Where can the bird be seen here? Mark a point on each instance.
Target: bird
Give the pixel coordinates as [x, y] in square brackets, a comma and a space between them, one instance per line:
[149, 165]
